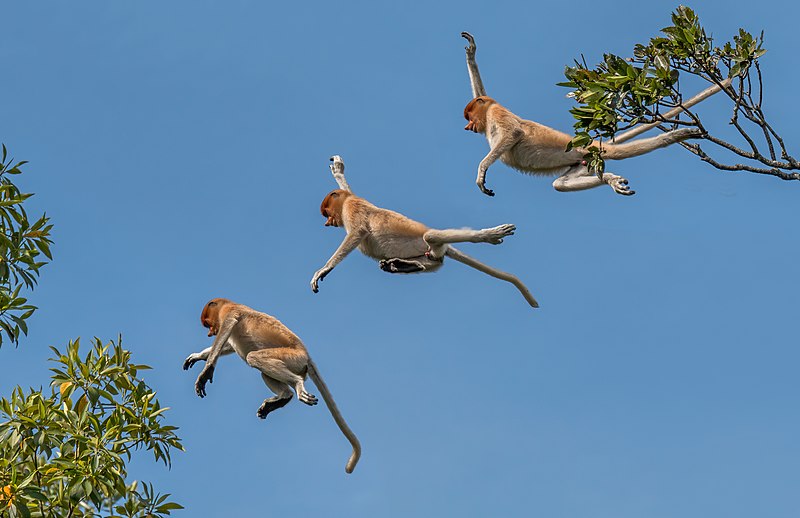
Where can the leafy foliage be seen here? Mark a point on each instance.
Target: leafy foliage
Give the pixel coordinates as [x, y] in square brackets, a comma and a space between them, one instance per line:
[64, 454]
[620, 93]
[21, 245]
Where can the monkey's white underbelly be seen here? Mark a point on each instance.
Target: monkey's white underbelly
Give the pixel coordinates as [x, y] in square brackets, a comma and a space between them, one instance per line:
[539, 161]
[388, 246]
[535, 158]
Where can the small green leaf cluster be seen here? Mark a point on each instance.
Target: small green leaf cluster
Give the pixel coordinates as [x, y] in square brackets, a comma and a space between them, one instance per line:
[65, 453]
[21, 245]
[620, 93]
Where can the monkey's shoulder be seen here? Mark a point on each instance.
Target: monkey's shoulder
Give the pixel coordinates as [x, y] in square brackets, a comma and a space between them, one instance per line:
[267, 329]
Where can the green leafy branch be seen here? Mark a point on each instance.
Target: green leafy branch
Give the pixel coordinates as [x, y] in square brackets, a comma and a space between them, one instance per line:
[64, 453]
[621, 93]
[22, 244]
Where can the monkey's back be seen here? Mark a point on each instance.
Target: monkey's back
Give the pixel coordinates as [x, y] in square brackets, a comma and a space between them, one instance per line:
[259, 330]
[389, 233]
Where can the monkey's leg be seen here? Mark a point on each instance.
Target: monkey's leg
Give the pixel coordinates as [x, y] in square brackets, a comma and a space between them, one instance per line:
[273, 363]
[437, 240]
[579, 178]
[283, 394]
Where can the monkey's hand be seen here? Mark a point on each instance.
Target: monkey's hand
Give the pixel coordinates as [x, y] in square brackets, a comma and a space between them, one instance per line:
[318, 276]
[207, 374]
[190, 360]
[618, 183]
[471, 47]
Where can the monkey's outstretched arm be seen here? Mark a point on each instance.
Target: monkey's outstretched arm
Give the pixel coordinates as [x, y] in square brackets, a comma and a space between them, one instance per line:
[472, 66]
[207, 374]
[193, 358]
[506, 142]
[474, 263]
[351, 241]
[337, 169]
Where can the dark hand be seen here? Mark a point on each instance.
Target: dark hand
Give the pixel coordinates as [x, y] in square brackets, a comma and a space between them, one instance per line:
[207, 375]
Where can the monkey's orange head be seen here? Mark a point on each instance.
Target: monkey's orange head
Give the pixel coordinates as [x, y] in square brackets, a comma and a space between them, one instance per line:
[332, 205]
[475, 113]
[210, 316]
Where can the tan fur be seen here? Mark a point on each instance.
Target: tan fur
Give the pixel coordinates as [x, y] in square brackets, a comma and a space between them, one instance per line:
[264, 343]
[401, 244]
[537, 149]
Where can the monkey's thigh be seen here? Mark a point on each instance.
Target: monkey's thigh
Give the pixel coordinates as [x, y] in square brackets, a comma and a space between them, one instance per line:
[281, 364]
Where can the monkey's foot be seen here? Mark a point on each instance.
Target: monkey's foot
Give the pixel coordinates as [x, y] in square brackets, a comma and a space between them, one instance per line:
[308, 399]
[618, 183]
[271, 404]
[495, 235]
[401, 266]
[484, 190]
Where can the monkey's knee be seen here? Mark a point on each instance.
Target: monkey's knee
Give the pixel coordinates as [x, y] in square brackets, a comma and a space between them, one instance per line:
[271, 404]
[561, 185]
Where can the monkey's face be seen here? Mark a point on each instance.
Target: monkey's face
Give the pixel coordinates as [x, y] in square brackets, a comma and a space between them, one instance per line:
[475, 113]
[210, 316]
[331, 207]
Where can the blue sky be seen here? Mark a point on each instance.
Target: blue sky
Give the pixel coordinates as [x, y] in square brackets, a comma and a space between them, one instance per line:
[181, 150]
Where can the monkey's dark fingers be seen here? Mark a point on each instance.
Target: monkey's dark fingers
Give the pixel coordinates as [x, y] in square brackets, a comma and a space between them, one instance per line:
[470, 39]
[188, 363]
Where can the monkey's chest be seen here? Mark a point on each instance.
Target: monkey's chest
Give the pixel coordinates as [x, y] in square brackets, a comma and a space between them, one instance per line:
[243, 345]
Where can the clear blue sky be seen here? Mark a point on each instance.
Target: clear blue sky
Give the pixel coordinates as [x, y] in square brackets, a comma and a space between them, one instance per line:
[181, 149]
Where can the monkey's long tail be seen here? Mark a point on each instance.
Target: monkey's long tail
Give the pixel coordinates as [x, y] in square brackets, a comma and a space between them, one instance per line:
[497, 274]
[646, 145]
[313, 372]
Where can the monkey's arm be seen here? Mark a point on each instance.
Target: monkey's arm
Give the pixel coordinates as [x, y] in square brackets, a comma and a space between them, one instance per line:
[505, 143]
[497, 274]
[472, 66]
[351, 241]
[193, 358]
[207, 374]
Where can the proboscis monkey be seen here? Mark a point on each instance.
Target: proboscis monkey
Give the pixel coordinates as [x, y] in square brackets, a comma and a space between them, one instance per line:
[269, 346]
[400, 244]
[537, 149]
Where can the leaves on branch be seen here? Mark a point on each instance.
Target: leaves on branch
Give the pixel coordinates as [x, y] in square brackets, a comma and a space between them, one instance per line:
[65, 453]
[621, 93]
[22, 245]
